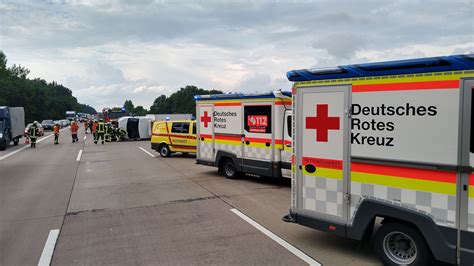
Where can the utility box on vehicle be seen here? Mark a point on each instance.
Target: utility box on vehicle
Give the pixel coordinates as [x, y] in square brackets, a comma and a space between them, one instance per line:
[246, 133]
[12, 125]
[390, 140]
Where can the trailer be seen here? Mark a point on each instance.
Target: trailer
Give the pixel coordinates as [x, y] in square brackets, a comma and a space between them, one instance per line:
[389, 141]
[245, 133]
[12, 125]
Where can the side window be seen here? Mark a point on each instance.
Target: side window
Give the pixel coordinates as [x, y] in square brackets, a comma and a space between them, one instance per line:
[185, 128]
[258, 118]
[176, 128]
[194, 128]
[288, 125]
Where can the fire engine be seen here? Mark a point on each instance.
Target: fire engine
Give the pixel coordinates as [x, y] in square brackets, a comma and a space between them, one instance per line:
[389, 142]
[245, 133]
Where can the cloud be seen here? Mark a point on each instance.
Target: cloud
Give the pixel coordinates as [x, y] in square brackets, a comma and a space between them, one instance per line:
[111, 50]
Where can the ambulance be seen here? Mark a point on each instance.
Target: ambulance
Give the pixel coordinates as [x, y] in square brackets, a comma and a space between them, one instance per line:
[388, 144]
[245, 133]
[174, 136]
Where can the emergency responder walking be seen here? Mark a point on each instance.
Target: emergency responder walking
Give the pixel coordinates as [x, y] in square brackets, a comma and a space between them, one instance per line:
[100, 131]
[33, 132]
[74, 128]
[56, 128]
[85, 125]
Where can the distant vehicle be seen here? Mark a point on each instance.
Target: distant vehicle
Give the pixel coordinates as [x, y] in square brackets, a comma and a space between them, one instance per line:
[64, 122]
[40, 129]
[70, 115]
[47, 124]
[174, 136]
[109, 115]
[12, 124]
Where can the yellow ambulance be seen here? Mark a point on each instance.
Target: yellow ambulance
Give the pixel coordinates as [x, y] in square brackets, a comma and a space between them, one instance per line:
[174, 136]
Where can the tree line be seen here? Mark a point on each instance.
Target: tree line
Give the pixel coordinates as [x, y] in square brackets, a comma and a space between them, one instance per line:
[41, 99]
[179, 102]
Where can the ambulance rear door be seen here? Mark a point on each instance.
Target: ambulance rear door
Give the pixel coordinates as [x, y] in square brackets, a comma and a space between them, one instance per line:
[205, 145]
[322, 152]
[258, 138]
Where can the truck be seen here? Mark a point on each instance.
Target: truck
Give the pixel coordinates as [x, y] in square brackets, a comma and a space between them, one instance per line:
[71, 115]
[388, 147]
[245, 133]
[12, 125]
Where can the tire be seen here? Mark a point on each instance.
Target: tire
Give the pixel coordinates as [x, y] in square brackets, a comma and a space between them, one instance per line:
[229, 169]
[401, 244]
[164, 151]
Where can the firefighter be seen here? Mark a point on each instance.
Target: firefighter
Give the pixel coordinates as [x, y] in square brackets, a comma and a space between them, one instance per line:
[33, 133]
[108, 132]
[56, 128]
[100, 131]
[74, 128]
[85, 125]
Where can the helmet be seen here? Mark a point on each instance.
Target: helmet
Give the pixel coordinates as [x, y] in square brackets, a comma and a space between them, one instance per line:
[101, 120]
[36, 122]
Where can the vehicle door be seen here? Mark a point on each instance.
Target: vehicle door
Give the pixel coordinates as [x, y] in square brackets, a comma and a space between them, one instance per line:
[258, 142]
[466, 185]
[180, 138]
[322, 151]
[205, 132]
[287, 147]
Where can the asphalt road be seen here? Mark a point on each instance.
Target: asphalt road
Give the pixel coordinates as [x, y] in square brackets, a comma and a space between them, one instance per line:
[119, 205]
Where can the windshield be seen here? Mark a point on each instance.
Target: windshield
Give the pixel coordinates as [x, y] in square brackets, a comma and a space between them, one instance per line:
[1, 124]
[47, 122]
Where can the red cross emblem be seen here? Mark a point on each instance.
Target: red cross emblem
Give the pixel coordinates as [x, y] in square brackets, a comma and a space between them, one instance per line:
[322, 123]
[206, 119]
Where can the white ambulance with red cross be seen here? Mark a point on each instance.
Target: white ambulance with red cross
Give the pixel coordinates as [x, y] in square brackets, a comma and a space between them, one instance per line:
[390, 142]
[245, 133]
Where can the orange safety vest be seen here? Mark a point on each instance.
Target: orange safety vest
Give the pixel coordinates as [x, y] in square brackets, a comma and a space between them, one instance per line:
[56, 129]
[74, 128]
[94, 127]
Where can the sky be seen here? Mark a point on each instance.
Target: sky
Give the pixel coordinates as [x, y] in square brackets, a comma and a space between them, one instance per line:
[107, 51]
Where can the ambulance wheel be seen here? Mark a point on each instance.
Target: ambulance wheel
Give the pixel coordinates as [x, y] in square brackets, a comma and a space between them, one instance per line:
[401, 244]
[165, 150]
[228, 167]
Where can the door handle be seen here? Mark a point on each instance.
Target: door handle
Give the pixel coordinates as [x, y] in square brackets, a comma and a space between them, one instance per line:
[247, 142]
[202, 139]
[310, 168]
[267, 144]
[288, 145]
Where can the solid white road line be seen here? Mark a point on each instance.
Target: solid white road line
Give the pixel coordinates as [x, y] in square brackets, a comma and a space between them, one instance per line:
[147, 152]
[78, 158]
[48, 249]
[300, 254]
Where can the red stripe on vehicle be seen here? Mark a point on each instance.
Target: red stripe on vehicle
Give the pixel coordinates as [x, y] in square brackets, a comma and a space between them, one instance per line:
[402, 86]
[173, 135]
[283, 103]
[227, 104]
[227, 137]
[324, 163]
[259, 140]
[205, 136]
[471, 179]
[407, 172]
[279, 141]
[183, 147]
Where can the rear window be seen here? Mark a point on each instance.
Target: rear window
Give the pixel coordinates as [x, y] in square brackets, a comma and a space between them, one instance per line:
[288, 125]
[194, 128]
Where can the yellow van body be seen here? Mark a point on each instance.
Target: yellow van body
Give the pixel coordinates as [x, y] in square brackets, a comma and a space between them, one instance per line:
[174, 136]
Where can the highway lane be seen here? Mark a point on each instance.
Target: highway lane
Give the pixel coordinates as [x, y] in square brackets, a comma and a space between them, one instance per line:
[35, 186]
[119, 205]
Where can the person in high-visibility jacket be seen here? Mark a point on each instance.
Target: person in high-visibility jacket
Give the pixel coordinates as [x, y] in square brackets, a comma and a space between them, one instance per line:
[100, 131]
[33, 134]
[56, 128]
[74, 128]
[108, 132]
[85, 125]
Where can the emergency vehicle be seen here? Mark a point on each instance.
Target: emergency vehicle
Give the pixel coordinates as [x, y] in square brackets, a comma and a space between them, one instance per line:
[248, 133]
[392, 141]
[174, 136]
